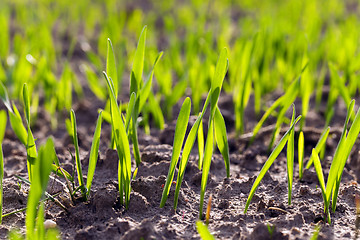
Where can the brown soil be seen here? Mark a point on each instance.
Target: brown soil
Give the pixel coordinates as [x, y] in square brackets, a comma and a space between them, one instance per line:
[103, 218]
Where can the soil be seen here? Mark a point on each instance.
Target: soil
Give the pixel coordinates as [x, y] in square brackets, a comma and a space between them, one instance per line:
[102, 217]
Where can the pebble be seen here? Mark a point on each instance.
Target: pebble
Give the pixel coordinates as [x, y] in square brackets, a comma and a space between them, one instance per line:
[49, 224]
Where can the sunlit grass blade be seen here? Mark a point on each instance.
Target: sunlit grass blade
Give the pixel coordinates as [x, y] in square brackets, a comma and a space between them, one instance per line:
[129, 111]
[94, 152]
[3, 118]
[201, 131]
[340, 85]
[221, 139]
[30, 145]
[290, 156]
[134, 136]
[26, 100]
[189, 143]
[301, 147]
[14, 116]
[146, 89]
[156, 111]
[203, 231]
[351, 137]
[42, 169]
[180, 131]
[201, 144]
[338, 155]
[17, 125]
[5, 96]
[40, 229]
[218, 78]
[290, 93]
[122, 145]
[287, 101]
[209, 148]
[138, 64]
[111, 70]
[320, 144]
[136, 87]
[93, 83]
[77, 154]
[320, 175]
[275, 153]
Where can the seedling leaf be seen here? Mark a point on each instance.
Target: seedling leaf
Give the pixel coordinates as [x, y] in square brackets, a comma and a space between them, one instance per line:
[221, 139]
[94, 152]
[180, 130]
[269, 162]
[203, 231]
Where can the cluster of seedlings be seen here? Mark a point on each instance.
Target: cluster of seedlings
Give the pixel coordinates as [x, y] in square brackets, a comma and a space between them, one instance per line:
[259, 57]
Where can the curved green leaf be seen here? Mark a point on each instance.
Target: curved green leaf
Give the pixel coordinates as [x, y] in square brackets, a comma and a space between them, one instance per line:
[203, 231]
[221, 139]
[290, 156]
[94, 152]
[301, 147]
[209, 148]
[111, 70]
[269, 162]
[180, 130]
[138, 64]
[319, 145]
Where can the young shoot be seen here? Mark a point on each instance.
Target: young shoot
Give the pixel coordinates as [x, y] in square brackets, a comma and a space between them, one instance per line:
[3, 118]
[275, 153]
[342, 152]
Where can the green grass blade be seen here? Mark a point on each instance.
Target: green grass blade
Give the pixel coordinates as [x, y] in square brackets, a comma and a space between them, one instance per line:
[145, 90]
[201, 144]
[31, 152]
[77, 154]
[134, 137]
[17, 125]
[111, 70]
[42, 170]
[338, 156]
[319, 145]
[129, 110]
[180, 131]
[26, 100]
[201, 131]
[209, 148]
[203, 231]
[217, 81]
[290, 156]
[5, 97]
[3, 118]
[320, 175]
[348, 145]
[301, 147]
[138, 64]
[189, 143]
[279, 147]
[316, 232]
[319, 172]
[30, 144]
[93, 83]
[340, 85]
[40, 229]
[94, 152]
[290, 93]
[56, 170]
[122, 145]
[221, 139]
[156, 111]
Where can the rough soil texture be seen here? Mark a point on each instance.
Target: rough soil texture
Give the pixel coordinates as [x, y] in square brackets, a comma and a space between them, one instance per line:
[103, 218]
